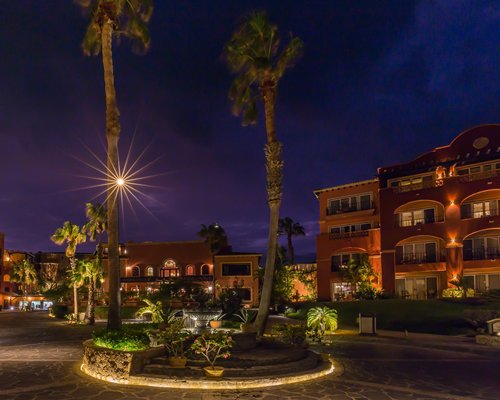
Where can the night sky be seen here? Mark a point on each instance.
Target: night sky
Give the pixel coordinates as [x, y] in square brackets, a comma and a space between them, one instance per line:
[379, 83]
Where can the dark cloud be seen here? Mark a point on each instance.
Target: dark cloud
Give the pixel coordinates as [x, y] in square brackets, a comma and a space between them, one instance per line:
[379, 83]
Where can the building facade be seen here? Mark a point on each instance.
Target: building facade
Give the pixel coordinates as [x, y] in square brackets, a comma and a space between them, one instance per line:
[438, 219]
[146, 265]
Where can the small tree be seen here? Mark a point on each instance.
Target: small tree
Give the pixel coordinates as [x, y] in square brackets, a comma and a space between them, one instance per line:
[153, 309]
[321, 319]
[89, 273]
[213, 346]
[359, 274]
[26, 276]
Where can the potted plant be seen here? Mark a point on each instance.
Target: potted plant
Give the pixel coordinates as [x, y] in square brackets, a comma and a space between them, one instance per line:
[216, 323]
[173, 338]
[213, 346]
[247, 317]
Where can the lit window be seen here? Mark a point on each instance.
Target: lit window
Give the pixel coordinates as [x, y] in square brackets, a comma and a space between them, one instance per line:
[150, 271]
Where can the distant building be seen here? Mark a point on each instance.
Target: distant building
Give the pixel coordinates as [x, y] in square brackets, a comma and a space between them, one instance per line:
[421, 223]
[146, 265]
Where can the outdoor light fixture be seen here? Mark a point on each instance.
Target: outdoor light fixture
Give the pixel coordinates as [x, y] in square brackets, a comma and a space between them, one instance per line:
[120, 181]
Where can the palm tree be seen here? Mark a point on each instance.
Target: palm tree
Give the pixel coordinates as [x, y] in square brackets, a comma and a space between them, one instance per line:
[214, 235]
[89, 273]
[111, 19]
[71, 235]
[216, 238]
[288, 227]
[253, 55]
[96, 226]
[25, 275]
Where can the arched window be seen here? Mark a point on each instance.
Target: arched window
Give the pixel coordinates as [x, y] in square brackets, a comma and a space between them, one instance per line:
[190, 270]
[150, 271]
[169, 269]
[136, 272]
[205, 269]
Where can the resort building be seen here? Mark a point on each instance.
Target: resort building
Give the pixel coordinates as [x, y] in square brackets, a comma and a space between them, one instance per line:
[146, 265]
[422, 223]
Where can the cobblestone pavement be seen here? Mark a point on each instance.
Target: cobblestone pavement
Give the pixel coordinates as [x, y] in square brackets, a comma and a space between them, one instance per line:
[40, 359]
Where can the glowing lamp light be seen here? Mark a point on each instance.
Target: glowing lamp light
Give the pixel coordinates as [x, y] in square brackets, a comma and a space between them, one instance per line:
[120, 181]
[454, 277]
[452, 203]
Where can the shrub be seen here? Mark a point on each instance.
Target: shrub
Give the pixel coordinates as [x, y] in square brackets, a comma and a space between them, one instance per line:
[213, 346]
[129, 338]
[155, 310]
[289, 334]
[59, 311]
[367, 292]
[457, 293]
[478, 318]
[173, 338]
[492, 294]
[321, 319]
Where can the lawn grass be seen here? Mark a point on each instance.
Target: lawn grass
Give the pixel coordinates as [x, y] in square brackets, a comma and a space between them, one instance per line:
[425, 316]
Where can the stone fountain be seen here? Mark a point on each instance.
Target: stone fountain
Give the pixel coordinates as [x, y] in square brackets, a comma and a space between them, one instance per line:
[199, 319]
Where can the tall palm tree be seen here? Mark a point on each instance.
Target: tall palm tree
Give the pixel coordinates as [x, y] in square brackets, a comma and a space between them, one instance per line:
[96, 226]
[71, 235]
[26, 276]
[89, 273]
[111, 19]
[216, 238]
[255, 56]
[287, 227]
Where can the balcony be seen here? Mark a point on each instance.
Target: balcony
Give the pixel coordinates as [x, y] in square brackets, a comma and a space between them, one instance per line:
[403, 223]
[138, 279]
[348, 235]
[420, 258]
[479, 176]
[489, 253]
[350, 209]
[469, 213]
[415, 186]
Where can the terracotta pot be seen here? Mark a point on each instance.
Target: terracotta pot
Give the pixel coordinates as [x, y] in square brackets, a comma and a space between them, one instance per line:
[215, 324]
[177, 362]
[247, 328]
[213, 372]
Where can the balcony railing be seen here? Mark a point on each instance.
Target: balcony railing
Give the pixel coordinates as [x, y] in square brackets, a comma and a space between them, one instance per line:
[348, 235]
[479, 176]
[468, 213]
[419, 258]
[416, 221]
[489, 253]
[415, 186]
[128, 279]
[335, 211]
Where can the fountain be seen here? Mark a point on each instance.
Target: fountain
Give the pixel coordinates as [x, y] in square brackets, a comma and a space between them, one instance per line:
[199, 318]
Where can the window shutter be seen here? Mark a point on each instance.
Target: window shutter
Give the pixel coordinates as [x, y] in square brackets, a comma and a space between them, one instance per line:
[465, 210]
[429, 216]
[399, 254]
[430, 252]
[467, 249]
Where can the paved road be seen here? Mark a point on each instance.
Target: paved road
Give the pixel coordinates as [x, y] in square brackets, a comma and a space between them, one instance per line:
[39, 360]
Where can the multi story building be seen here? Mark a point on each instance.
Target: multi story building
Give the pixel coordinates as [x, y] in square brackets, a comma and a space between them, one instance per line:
[146, 265]
[438, 218]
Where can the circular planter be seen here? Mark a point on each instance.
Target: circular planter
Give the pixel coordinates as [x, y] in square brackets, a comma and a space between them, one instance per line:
[244, 341]
[213, 372]
[177, 362]
[247, 328]
[215, 324]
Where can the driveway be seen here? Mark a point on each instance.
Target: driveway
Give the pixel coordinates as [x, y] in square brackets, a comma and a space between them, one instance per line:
[40, 357]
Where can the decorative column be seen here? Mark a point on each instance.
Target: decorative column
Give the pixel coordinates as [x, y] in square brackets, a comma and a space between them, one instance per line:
[454, 262]
[388, 271]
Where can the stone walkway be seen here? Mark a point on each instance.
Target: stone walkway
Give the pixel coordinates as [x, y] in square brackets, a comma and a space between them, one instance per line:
[40, 359]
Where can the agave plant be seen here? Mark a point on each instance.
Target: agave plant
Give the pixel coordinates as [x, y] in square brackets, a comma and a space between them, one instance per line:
[246, 316]
[321, 319]
[153, 309]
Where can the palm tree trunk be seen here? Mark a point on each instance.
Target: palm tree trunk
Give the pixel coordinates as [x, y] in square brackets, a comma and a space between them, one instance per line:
[91, 303]
[291, 252]
[274, 168]
[72, 262]
[112, 135]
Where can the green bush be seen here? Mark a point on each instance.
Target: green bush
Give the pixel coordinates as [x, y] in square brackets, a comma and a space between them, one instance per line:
[59, 311]
[132, 337]
[289, 334]
[322, 319]
[457, 293]
[129, 312]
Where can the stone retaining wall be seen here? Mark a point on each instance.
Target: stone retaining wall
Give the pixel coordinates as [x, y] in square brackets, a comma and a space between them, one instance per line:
[115, 365]
[488, 340]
